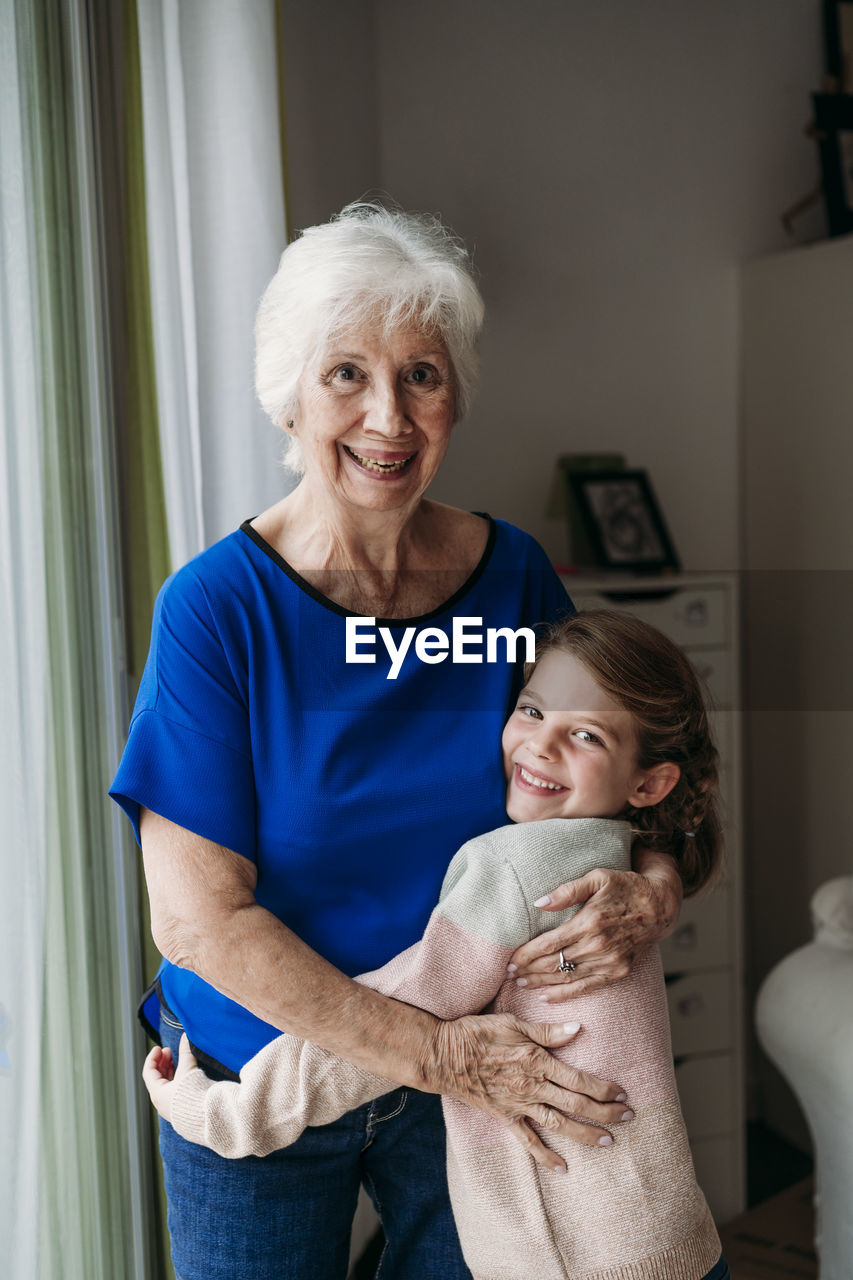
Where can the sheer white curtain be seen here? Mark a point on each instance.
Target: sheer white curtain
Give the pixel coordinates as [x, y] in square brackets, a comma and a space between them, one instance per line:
[216, 229]
[23, 693]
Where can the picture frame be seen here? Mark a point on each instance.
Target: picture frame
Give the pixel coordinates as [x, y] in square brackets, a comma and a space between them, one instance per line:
[834, 132]
[624, 521]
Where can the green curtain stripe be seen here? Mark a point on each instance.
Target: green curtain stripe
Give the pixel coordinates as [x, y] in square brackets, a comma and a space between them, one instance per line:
[143, 505]
[146, 538]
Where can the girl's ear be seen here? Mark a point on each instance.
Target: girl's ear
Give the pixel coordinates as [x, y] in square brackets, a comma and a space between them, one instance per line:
[654, 785]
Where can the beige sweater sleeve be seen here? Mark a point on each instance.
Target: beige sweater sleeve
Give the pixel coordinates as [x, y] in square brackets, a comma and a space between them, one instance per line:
[289, 1085]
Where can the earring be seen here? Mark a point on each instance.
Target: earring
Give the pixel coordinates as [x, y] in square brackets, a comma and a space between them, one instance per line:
[290, 424]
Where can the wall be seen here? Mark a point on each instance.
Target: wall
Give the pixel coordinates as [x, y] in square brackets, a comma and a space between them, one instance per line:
[331, 105]
[612, 163]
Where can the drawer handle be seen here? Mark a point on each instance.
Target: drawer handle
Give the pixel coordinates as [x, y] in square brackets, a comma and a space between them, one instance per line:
[684, 938]
[696, 613]
[691, 1006]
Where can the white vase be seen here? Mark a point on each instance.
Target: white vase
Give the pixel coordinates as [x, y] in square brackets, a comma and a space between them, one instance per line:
[804, 1018]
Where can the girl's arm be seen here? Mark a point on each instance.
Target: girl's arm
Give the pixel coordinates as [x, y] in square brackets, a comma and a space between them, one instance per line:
[289, 1085]
[453, 970]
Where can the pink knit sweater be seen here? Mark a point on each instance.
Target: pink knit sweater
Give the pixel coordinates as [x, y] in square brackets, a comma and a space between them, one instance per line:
[632, 1211]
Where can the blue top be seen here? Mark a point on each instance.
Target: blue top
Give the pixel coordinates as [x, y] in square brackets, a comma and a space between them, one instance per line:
[349, 790]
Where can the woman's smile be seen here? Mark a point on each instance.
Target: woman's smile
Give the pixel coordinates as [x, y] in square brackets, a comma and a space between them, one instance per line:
[381, 463]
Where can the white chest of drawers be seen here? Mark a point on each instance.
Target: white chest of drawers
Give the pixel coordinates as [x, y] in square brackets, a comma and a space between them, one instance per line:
[703, 957]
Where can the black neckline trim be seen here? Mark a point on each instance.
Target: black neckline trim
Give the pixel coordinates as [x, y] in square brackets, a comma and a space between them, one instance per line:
[467, 585]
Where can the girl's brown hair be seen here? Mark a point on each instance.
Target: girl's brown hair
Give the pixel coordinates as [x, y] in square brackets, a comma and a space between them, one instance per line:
[645, 672]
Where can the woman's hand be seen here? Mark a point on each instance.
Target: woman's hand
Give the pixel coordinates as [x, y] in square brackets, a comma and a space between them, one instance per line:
[502, 1065]
[623, 913]
[161, 1075]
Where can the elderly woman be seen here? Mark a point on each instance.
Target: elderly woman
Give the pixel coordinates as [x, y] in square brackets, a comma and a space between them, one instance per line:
[299, 789]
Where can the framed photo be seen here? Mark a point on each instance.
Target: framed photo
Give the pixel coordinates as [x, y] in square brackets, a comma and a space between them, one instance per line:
[834, 129]
[623, 521]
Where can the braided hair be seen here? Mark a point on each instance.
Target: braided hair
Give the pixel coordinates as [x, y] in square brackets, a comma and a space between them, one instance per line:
[648, 675]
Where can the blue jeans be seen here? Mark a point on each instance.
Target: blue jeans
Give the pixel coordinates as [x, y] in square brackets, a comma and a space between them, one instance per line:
[289, 1214]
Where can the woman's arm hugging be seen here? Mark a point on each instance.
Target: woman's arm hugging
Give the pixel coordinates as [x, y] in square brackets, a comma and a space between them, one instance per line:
[205, 917]
[623, 913]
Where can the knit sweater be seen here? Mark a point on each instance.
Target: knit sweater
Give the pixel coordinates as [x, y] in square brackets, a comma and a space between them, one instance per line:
[631, 1211]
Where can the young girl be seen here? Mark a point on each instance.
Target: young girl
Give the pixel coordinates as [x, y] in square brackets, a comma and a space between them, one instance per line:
[608, 742]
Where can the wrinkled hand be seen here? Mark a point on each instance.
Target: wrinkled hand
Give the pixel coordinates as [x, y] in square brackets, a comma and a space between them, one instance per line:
[502, 1065]
[161, 1075]
[623, 912]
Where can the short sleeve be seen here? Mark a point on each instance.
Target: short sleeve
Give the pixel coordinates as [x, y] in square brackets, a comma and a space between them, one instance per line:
[188, 754]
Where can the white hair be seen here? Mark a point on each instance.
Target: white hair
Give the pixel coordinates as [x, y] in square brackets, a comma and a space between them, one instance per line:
[369, 262]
